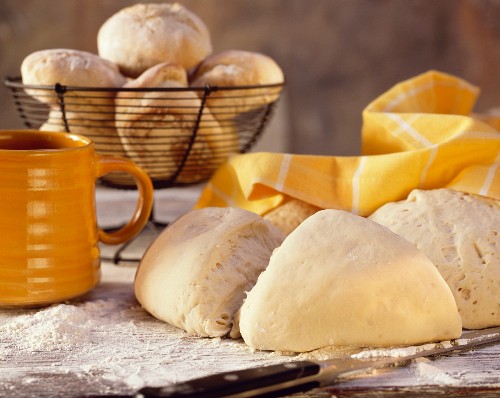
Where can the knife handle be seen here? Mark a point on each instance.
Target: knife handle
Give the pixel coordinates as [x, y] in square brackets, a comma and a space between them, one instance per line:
[242, 381]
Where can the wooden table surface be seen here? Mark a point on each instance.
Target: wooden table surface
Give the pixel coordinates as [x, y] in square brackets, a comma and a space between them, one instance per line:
[104, 343]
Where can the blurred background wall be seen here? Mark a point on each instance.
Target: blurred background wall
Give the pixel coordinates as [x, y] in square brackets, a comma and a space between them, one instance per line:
[337, 55]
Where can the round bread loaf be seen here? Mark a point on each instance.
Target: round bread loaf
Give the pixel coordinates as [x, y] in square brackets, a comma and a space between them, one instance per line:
[238, 68]
[143, 35]
[460, 233]
[99, 127]
[70, 68]
[195, 274]
[157, 127]
[86, 112]
[340, 279]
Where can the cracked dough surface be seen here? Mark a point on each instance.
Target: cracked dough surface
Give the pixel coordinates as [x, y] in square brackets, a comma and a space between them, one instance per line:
[195, 274]
[340, 279]
[460, 234]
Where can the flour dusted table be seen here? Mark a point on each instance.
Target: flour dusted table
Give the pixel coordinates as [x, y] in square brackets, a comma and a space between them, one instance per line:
[105, 344]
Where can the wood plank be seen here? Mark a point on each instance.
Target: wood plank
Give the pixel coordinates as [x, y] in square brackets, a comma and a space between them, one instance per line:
[105, 343]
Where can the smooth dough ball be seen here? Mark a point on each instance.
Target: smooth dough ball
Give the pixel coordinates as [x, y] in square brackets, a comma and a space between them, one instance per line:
[195, 274]
[460, 234]
[340, 279]
[143, 35]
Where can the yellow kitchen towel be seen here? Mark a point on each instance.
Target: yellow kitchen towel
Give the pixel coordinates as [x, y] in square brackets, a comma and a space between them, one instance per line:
[419, 134]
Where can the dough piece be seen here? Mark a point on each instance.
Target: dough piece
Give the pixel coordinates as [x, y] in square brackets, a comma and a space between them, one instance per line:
[156, 127]
[290, 214]
[238, 68]
[460, 234]
[90, 113]
[340, 279]
[143, 35]
[195, 274]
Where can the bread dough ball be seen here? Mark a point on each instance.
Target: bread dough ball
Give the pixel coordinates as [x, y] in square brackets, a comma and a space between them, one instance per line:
[143, 35]
[340, 279]
[195, 274]
[238, 68]
[157, 127]
[460, 234]
[290, 214]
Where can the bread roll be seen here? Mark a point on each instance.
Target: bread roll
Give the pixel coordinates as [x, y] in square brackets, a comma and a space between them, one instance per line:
[195, 274]
[340, 279]
[460, 234]
[143, 35]
[89, 113]
[290, 214]
[101, 130]
[238, 68]
[70, 68]
[156, 127]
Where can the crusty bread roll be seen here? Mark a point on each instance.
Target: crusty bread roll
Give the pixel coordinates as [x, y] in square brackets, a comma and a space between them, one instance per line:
[340, 279]
[156, 127]
[143, 35]
[460, 233]
[101, 130]
[195, 274]
[290, 214]
[164, 74]
[238, 68]
[70, 68]
[89, 113]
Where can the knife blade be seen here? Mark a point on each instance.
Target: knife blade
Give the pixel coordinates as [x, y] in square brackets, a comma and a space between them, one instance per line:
[292, 377]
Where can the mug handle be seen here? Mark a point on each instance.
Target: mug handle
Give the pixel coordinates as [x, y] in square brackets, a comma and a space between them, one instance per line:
[109, 163]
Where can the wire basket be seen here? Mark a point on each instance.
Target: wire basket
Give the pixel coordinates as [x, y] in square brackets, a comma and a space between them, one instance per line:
[179, 136]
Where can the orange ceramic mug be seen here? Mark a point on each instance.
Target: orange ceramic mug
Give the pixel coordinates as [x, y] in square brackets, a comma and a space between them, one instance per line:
[48, 230]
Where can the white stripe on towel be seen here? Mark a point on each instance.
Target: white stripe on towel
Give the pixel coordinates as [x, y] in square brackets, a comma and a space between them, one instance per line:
[285, 165]
[356, 185]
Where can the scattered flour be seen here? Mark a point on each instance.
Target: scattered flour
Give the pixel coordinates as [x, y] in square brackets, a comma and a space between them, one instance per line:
[412, 350]
[63, 326]
[433, 375]
[56, 327]
[108, 339]
[461, 341]
[395, 352]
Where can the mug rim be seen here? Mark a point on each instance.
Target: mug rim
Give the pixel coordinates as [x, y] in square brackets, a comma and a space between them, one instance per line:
[86, 142]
